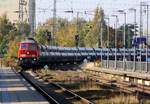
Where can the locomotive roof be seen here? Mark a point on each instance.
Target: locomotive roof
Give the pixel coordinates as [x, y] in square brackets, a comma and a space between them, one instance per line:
[28, 41]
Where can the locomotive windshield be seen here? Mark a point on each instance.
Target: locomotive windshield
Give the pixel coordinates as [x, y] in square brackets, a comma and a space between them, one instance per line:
[28, 46]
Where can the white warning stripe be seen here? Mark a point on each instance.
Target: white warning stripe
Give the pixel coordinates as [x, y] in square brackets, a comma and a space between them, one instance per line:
[4, 89]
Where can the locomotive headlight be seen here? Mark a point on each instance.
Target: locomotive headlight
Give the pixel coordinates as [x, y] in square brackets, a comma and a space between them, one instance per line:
[20, 58]
[34, 59]
[28, 53]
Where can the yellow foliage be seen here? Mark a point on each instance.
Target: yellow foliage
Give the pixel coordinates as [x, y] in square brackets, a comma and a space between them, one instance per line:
[65, 36]
[12, 49]
[12, 53]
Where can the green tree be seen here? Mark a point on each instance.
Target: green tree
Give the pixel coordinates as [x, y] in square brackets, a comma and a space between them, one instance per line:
[5, 28]
[40, 35]
[8, 39]
[129, 35]
[83, 32]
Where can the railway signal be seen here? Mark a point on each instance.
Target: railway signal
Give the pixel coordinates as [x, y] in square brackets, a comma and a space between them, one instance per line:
[48, 36]
[77, 40]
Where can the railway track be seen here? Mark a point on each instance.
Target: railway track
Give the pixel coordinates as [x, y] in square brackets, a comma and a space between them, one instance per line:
[124, 86]
[55, 93]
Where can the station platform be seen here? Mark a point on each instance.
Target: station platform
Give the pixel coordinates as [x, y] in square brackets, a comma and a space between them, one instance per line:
[16, 90]
[121, 72]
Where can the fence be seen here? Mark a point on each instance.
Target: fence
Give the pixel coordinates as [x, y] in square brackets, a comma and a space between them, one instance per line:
[143, 67]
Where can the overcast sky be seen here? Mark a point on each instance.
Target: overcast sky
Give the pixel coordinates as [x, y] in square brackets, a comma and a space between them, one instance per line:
[9, 6]
[44, 8]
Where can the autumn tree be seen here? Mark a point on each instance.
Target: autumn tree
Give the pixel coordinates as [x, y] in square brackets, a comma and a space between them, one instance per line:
[93, 35]
[88, 31]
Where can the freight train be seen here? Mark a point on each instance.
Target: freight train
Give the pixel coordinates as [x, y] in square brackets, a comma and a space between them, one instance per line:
[31, 54]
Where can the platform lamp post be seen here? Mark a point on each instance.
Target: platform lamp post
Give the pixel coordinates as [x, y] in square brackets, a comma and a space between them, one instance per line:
[124, 37]
[101, 39]
[116, 23]
[141, 31]
[147, 36]
[147, 32]
[144, 4]
[108, 34]
[134, 10]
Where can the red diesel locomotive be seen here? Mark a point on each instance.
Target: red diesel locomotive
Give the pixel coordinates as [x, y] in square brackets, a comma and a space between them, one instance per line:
[28, 52]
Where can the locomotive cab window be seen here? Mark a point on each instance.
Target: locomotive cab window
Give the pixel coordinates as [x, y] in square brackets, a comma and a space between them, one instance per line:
[32, 47]
[28, 46]
[23, 46]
